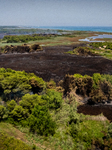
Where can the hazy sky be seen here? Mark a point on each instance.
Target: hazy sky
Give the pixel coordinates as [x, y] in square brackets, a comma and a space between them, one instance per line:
[56, 12]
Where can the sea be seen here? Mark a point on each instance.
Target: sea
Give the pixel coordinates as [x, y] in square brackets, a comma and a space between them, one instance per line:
[79, 28]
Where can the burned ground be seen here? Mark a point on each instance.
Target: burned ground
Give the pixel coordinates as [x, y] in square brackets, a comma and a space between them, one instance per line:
[52, 63]
[106, 110]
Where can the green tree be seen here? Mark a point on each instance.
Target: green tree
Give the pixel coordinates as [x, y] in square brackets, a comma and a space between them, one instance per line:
[40, 121]
[11, 105]
[53, 98]
[18, 113]
[29, 101]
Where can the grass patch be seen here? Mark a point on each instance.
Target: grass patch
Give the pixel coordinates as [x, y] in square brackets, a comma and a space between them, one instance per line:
[86, 51]
[9, 143]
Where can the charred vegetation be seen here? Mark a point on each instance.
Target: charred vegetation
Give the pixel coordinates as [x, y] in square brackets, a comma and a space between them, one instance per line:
[21, 49]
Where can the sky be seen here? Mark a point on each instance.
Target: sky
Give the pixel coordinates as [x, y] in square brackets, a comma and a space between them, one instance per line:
[56, 12]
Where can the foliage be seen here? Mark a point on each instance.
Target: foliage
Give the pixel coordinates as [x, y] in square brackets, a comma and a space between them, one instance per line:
[77, 75]
[15, 84]
[10, 143]
[29, 101]
[11, 105]
[24, 38]
[107, 77]
[40, 121]
[109, 132]
[96, 78]
[108, 45]
[53, 98]
[84, 131]
[82, 51]
[2, 112]
[65, 128]
[18, 114]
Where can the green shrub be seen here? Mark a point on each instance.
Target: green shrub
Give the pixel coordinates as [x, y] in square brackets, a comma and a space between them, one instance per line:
[96, 78]
[14, 84]
[2, 112]
[9, 143]
[40, 121]
[109, 132]
[24, 38]
[11, 105]
[18, 114]
[53, 98]
[77, 75]
[87, 131]
[29, 101]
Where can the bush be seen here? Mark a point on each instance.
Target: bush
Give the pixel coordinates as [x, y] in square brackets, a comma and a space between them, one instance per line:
[40, 121]
[14, 84]
[51, 84]
[96, 78]
[2, 112]
[29, 101]
[18, 114]
[53, 98]
[11, 105]
[109, 132]
[9, 143]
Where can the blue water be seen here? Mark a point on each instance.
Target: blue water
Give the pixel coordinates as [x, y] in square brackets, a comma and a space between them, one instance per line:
[78, 28]
[89, 39]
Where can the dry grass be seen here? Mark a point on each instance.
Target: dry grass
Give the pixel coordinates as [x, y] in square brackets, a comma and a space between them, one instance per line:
[97, 118]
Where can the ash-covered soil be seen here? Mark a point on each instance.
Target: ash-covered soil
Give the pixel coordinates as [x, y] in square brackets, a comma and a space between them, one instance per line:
[106, 110]
[53, 63]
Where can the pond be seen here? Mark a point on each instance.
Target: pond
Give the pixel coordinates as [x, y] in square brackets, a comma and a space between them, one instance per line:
[92, 38]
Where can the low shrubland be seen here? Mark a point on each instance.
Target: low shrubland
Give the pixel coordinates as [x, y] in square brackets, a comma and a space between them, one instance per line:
[83, 51]
[10, 143]
[106, 45]
[95, 50]
[49, 117]
[24, 38]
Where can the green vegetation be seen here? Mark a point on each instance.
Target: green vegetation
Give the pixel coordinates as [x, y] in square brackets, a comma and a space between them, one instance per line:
[53, 98]
[45, 120]
[40, 121]
[2, 112]
[82, 51]
[41, 36]
[87, 51]
[10, 143]
[105, 45]
[24, 38]
[14, 84]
